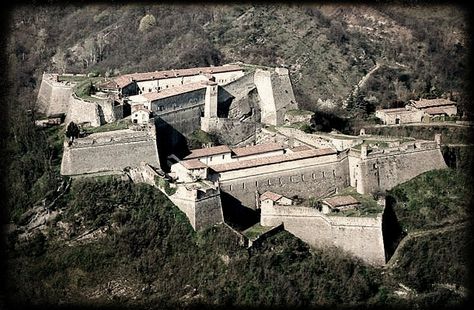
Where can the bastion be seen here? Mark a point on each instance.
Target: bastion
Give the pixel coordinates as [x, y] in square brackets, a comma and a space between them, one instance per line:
[109, 152]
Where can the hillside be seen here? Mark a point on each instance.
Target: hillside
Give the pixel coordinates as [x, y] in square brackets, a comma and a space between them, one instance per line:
[329, 48]
[111, 242]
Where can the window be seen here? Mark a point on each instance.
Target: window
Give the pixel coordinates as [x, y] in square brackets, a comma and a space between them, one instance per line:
[302, 177]
[334, 173]
[323, 174]
[143, 88]
[210, 158]
[166, 86]
[230, 187]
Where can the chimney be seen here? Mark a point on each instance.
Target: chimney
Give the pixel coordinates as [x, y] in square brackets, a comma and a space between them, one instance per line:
[437, 139]
[363, 151]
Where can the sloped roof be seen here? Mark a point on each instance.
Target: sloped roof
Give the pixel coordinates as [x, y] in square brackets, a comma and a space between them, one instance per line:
[193, 164]
[426, 103]
[124, 80]
[257, 149]
[270, 195]
[340, 201]
[208, 151]
[300, 148]
[268, 160]
[173, 91]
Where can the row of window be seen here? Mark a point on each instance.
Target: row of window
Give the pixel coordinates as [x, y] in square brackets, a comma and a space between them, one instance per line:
[293, 179]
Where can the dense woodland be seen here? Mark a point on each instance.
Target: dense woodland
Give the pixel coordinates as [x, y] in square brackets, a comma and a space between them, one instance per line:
[149, 251]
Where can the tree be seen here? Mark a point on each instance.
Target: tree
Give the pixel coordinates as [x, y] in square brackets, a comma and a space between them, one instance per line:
[72, 130]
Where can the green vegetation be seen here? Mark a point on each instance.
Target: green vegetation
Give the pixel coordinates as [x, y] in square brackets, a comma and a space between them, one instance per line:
[368, 205]
[299, 112]
[435, 259]
[450, 134]
[199, 138]
[85, 88]
[165, 185]
[151, 244]
[432, 199]
[117, 125]
[255, 231]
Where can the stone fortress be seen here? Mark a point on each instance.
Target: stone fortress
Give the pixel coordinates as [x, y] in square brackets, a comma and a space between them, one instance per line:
[307, 182]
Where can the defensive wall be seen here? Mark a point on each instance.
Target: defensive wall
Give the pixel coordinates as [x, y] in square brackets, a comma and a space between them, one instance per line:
[305, 177]
[231, 131]
[183, 111]
[360, 236]
[53, 96]
[233, 97]
[202, 206]
[80, 111]
[382, 169]
[276, 95]
[109, 152]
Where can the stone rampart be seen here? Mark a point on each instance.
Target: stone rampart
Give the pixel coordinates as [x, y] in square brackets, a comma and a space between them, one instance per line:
[233, 132]
[263, 82]
[276, 95]
[309, 177]
[109, 152]
[360, 236]
[83, 112]
[383, 169]
[202, 208]
[53, 96]
[282, 93]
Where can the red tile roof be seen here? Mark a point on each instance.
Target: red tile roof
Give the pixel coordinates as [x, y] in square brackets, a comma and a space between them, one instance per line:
[425, 103]
[124, 80]
[256, 149]
[340, 201]
[208, 151]
[173, 91]
[270, 195]
[300, 148]
[108, 84]
[193, 164]
[268, 160]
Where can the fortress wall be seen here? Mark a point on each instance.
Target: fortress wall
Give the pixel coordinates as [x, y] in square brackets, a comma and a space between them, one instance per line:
[208, 211]
[80, 111]
[232, 132]
[385, 171]
[202, 212]
[112, 156]
[362, 237]
[263, 82]
[108, 110]
[237, 89]
[53, 97]
[282, 93]
[185, 200]
[299, 177]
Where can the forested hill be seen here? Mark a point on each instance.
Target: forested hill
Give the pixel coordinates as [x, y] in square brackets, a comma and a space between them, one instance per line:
[420, 50]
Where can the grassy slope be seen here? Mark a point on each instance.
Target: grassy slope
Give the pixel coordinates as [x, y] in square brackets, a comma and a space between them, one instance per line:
[433, 199]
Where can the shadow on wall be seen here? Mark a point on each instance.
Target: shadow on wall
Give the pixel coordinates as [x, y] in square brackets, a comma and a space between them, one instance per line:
[169, 141]
[391, 229]
[225, 100]
[237, 215]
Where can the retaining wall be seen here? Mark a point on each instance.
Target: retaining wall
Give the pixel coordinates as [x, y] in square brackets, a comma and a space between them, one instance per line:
[360, 236]
[109, 152]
